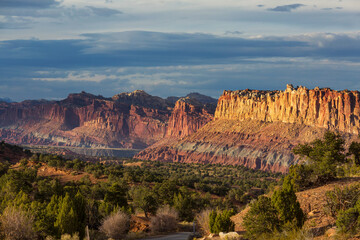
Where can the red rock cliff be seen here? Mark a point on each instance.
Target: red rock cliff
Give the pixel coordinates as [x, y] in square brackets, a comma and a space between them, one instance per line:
[326, 108]
[258, 129]
[127, 120]
[188, 116]
[86, 120]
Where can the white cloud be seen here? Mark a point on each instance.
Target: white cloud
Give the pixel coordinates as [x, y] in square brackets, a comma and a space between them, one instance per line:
[83, 76]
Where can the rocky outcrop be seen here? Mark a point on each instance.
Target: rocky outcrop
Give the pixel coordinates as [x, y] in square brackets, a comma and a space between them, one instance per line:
[127, 120]
[325, 108]
[85, 120]
[12, 154]
[258, 129]
[188, 116]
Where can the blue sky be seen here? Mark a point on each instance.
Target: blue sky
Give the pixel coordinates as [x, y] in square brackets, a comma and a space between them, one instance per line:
[51, 48]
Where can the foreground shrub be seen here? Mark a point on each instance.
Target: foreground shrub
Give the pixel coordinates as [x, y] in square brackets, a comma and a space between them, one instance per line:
[17, 224]
[324, 156]
[261, 219]
[285, 202]
[203, 221]
[116, 225]
[290, 234]
[166, 220]
[281, 213]
[348, 221]
[221, 222]
[75, 236]
[341, 199]
[301, 177]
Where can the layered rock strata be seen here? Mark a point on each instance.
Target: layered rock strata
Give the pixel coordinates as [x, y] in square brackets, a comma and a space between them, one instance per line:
[127, 120]
[188, 116]
[325, 108]
[258, 129]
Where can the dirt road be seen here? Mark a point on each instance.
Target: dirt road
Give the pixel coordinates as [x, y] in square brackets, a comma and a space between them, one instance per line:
[176, 236]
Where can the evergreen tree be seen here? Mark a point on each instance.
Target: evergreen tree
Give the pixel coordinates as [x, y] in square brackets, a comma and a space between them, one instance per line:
[67, 220]
[80, 211]
[221, 222]
[324, 155]
[116, 195]
[287, 206]
[262, 218]
[144, 199]
[184, 205]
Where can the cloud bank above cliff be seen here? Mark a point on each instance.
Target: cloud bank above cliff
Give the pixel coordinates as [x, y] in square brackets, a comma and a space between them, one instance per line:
[49, 48]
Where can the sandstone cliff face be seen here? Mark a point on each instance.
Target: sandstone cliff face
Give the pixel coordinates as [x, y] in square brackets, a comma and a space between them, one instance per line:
[127, 120]
[317, 107]
[188, 116]
[258, 129]
[83, 120]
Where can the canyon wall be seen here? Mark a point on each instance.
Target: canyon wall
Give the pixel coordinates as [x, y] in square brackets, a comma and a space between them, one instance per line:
[258, 129]
[188, 116]
[127, 120]
[335, 110]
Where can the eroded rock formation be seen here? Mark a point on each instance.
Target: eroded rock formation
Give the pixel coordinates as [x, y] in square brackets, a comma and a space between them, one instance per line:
[258, 129]
[127, 120]
[335, 110]
[188, 116]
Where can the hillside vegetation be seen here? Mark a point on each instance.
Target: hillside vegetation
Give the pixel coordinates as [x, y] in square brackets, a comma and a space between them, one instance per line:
[48, 196]
[327, 201]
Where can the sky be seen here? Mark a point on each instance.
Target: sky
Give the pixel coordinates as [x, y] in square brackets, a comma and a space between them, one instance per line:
[50, 48]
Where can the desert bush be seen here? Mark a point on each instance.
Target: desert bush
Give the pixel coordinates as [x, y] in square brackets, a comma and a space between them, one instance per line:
[261, 219]
[75, 236]
[116, 225]
[285, 202]
[301, 176]
[341, 199]
[166, 220]
[324, 156]
[348, 221]
[203, 221]
[17, 224]
[221, 222]
[291, 234]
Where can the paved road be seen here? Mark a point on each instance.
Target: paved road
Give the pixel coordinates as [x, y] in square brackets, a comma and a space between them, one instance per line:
[177, 236]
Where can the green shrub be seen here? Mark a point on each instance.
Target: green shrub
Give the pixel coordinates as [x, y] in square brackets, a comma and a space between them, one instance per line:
[324, 156]
[341, 199]
[287, 206]
[348, 221]
[261, 219]
[221, 222]
[281, 212]
[301, 177]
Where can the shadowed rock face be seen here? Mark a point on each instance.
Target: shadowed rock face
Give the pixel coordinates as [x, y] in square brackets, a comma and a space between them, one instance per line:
[188, 116]
[127, 120]
[258, 129]
[84, 120]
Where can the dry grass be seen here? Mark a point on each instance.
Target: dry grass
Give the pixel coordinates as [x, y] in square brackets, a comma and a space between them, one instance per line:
[166, 220]
[116, 225]
[202, 220]
[69, 237]
[17, 224]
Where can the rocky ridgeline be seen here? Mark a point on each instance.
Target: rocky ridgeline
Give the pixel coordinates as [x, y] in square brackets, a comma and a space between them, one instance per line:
[326, 108]
[127, 120]
[258, 129]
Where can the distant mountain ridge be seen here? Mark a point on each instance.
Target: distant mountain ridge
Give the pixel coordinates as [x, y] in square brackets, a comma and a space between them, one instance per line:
[127, 120]
[8, 100]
